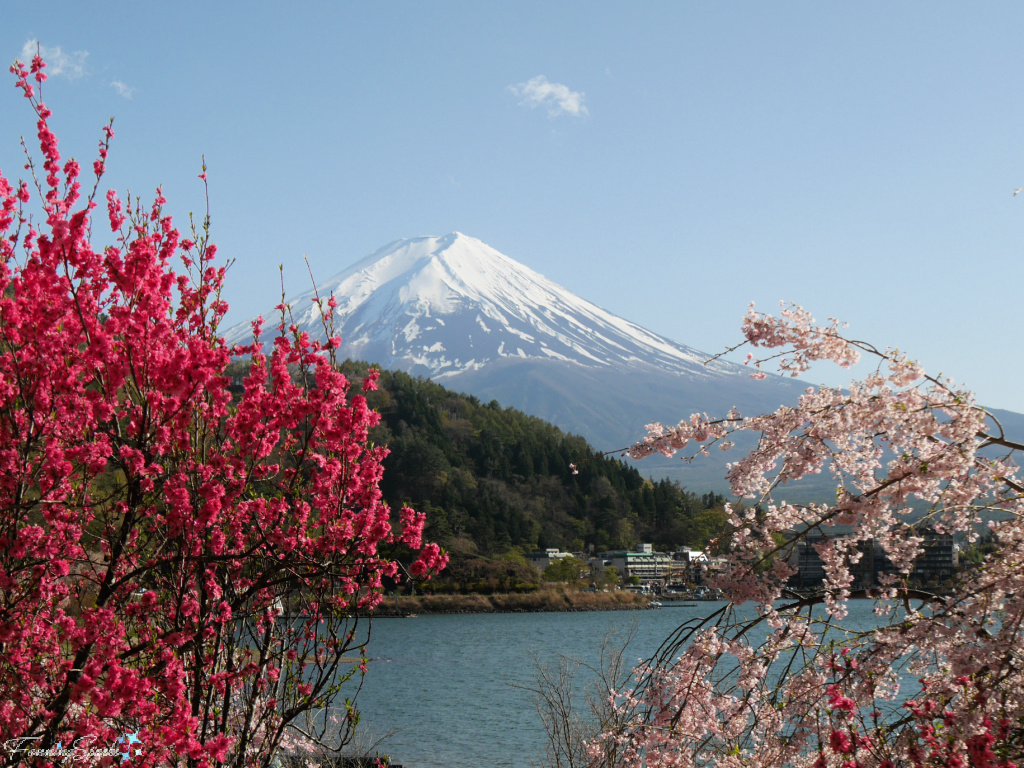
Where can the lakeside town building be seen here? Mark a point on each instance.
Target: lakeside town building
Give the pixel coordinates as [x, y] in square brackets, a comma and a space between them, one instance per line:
[657, 569]
[646, 564]
[541, 560]
[937, 563]
[687, 567]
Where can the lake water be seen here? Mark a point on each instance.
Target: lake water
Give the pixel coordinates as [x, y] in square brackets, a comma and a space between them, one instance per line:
[442, 682]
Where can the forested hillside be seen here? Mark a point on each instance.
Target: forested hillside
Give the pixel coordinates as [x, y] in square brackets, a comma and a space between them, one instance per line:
[502, 480]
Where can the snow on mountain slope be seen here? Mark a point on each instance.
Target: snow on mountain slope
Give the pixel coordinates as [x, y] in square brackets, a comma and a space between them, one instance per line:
[441, 306]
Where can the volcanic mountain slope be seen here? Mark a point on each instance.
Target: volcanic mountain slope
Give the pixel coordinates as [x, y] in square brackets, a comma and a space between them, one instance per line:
[440, 306]
[457, 311]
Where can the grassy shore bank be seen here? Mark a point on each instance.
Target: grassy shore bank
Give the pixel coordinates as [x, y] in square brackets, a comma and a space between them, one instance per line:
[526, 602]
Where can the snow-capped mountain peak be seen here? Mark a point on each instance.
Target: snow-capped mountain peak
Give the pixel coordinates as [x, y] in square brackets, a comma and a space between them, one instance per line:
[441, 306]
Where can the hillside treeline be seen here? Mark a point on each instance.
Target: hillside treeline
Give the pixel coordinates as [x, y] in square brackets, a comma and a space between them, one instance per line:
[502, 480]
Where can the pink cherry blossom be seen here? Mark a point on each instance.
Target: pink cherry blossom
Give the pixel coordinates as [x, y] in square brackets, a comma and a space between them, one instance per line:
[760, 682]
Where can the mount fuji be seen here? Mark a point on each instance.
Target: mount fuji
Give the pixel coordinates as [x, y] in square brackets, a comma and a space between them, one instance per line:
[457, 311]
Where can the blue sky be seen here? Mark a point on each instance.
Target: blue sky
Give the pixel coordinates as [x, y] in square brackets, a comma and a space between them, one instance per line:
[669, 161]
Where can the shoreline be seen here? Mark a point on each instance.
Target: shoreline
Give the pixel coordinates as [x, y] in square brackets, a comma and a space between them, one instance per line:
[546, 601]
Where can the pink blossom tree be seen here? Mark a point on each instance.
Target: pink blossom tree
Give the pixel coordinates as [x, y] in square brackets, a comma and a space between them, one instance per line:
[772, 678]
[175, 562]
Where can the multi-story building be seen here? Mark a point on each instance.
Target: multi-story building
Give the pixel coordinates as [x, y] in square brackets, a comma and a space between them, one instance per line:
[646, 564]
[935, 564]
[541, 560]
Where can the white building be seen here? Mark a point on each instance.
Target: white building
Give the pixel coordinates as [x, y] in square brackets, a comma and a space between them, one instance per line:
[645, 564]
[541, 560]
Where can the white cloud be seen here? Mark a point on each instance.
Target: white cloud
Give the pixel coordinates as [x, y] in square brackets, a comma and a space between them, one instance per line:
[558, 99]
[122, 89]
[58, 63]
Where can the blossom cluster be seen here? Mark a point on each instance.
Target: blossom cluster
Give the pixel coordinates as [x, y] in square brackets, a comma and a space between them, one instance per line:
[905, 452]
[176, 559]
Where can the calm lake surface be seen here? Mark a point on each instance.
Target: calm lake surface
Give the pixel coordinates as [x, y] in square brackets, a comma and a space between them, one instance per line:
[441, 683]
